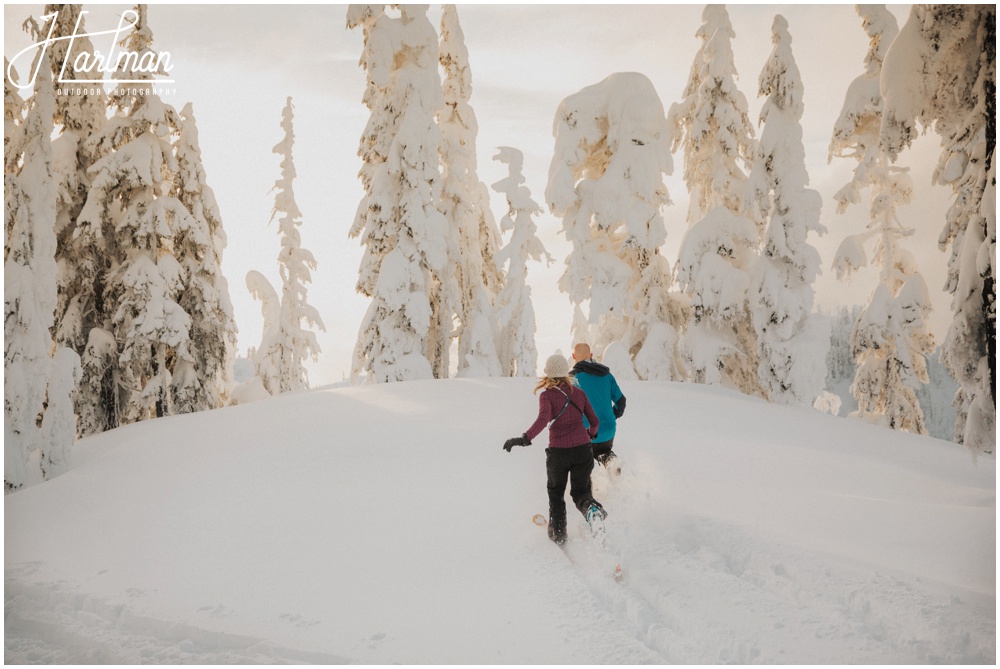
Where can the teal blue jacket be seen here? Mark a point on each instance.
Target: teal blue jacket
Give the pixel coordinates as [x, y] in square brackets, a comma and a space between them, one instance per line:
[604, 394]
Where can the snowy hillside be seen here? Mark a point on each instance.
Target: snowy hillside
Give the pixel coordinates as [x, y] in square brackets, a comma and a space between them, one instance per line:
[386, 524]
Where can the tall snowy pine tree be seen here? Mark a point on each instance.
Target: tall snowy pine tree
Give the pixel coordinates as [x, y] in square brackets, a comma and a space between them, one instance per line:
[515, 313]
[719, 250]
[941, 71]
[202, 382]
[404, 234]
[790, 346]
[465, 203]
[129, 359]
[83, 261]
[891, 339]
[36, 385]
[295, 343]
[606, 182]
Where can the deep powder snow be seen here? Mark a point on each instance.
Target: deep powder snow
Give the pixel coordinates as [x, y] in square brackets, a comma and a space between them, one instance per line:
[385, 524]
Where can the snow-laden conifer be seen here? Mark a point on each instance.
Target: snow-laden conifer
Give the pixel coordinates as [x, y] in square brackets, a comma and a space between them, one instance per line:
[941, 71]
[59, 422]
[13, 118]
[266, 358]
[29, 287]
[295, 343]
[891, 339]
[81, 115]
[202, 382]
[718, 252]
[612, 149]
[465, 203]
[790, 344]
[404, 235]
[514, 310]
[129, 359]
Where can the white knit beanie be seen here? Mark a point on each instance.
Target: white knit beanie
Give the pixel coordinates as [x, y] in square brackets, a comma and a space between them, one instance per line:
[556, 367]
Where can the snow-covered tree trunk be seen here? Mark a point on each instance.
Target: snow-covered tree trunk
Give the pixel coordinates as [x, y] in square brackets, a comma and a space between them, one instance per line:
[719, 250]
[891, 339]
[465, 203]
[406, 238]
[294, 264]
[514, 310]
[941, 71]
[612, 149]
[203, 382]
[29, 287]
[790, 344]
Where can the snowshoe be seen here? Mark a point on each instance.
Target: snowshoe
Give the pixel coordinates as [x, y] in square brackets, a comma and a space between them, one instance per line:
[595, 518]
[611, 463]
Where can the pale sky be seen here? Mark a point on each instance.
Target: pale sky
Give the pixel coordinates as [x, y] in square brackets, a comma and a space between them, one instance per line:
[238, 63]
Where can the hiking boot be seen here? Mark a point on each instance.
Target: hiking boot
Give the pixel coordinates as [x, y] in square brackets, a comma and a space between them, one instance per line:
[557, 531]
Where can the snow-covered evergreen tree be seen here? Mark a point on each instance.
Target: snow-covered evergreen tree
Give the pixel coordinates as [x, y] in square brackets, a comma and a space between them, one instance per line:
[295, 343]
[514, 310]
[13, 118]
[891, 339]
[789, 343]
[941, 71]
[840, 367]
[29, 288]
[83, 260]
[404, 234]
[59, 422]
[266, 358]
[606, 182]
[128, 361]
[202, 382]
[465, 203]
[718, 252]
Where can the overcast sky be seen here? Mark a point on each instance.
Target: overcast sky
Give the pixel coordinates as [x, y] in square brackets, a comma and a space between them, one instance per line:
[238, 63]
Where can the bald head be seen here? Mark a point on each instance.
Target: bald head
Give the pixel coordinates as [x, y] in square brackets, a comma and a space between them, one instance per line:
[581, 352]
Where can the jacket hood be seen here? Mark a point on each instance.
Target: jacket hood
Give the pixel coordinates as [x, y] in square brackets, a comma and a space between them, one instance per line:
[590, 367]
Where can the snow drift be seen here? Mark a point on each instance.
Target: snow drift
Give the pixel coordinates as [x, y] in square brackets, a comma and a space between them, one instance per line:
[385, 524]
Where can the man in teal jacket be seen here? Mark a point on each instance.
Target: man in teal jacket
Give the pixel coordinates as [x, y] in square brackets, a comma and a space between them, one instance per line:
[605, 396]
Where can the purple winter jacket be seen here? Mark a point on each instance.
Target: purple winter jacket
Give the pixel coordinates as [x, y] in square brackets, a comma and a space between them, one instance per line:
[566, 431]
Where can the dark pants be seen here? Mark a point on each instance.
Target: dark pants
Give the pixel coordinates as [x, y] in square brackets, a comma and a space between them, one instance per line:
[576, 463]
[603, 452]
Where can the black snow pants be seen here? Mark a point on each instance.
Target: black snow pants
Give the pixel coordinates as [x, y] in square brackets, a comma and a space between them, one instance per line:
[576, 463]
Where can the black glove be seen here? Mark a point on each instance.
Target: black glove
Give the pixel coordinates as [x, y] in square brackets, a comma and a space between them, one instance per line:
[516, 441]
[619, 407]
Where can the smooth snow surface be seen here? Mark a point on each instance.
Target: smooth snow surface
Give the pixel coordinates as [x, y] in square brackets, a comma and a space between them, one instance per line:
[384, 524]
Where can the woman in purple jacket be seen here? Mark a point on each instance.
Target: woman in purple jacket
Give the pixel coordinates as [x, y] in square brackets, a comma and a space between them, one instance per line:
[569, 453]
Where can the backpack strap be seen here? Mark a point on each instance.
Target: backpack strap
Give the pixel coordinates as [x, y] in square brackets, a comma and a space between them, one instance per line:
[568, 402]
